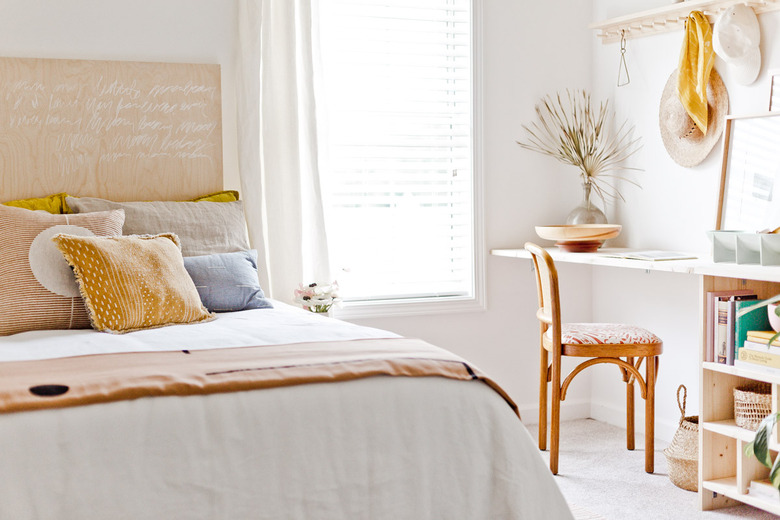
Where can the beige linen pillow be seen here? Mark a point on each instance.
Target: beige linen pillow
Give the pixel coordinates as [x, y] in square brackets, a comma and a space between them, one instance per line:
[203, 228]
[37, 288]
[133, 282]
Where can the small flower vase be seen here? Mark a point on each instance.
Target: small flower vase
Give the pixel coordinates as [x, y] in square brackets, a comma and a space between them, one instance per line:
[321, 312]
[587, 212]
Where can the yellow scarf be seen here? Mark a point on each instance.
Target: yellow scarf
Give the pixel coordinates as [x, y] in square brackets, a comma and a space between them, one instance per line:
[696, 60]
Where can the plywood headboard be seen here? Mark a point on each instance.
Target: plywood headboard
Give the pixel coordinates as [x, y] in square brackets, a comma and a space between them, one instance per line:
[113, 129]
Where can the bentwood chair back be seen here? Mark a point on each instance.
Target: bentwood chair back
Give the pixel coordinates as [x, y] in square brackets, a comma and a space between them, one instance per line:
[626, 346]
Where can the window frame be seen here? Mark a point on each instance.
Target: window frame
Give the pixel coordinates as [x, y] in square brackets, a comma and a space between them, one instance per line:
[449, 304]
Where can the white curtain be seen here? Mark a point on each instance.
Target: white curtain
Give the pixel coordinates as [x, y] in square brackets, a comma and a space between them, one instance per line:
[277, 143]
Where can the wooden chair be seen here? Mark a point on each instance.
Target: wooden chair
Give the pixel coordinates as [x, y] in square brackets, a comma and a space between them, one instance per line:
[623, 345]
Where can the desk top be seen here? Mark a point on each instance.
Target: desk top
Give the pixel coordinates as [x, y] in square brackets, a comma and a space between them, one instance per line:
[610, 257]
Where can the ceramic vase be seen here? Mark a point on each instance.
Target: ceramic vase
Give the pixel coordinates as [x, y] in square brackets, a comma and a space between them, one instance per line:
[774, 319]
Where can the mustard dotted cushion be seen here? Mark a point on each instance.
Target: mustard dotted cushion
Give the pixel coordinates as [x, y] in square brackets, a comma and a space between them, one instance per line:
[133, 282]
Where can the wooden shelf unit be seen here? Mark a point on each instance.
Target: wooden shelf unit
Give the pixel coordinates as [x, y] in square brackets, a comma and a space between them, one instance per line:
[725, 471]
[670, 17]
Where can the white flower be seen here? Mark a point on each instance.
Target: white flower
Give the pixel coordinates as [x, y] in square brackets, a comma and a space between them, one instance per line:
[317, 297]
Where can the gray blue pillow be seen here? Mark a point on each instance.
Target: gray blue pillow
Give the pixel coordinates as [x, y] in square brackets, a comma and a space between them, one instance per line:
[227, 281]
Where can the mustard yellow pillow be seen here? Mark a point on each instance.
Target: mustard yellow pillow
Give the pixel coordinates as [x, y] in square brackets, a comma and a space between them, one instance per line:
[133, 282]
[220, 196]
[54, 204]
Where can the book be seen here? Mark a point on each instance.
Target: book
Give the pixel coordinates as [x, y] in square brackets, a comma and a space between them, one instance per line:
[711, 331]
[756, 368]
[762, 336]
[758, 358]
[654, 255]
[761, 347]
[739, 325]
[763, 489]
[721, 320]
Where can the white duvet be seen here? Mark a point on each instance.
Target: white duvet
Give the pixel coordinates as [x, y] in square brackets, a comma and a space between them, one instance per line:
[375, 448]
[277, 326]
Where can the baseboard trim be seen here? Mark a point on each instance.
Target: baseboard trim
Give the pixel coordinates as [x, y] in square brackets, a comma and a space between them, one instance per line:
[570, 410]
[610, 414]
[616, 416]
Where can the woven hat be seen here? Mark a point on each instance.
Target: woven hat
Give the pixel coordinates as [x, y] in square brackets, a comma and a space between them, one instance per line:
[684, 142]
[735, 39]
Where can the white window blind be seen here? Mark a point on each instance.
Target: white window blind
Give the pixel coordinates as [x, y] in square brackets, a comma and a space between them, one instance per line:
[397, 147]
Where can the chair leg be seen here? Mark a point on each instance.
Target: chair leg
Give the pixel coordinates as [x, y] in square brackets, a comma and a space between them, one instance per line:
[650, 366]
[543, 400]
[630, 413]
[555, 425]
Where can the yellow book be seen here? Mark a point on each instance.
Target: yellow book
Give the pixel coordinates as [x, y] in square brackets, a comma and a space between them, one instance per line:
[762, 336]
[756, 357]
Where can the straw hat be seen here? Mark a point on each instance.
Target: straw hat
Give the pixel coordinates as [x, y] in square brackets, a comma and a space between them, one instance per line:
[684, 142]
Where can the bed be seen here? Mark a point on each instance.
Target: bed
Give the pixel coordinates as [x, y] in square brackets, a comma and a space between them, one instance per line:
[368, 435]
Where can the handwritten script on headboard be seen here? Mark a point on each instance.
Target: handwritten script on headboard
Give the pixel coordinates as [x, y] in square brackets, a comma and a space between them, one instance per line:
[120, 130]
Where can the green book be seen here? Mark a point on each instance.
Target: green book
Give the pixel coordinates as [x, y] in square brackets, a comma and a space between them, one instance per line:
[756, 319]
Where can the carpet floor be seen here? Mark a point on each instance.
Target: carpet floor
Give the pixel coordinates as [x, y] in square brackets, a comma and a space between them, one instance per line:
[601, 479]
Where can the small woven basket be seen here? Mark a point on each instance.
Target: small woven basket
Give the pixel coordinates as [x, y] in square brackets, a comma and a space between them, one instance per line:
[752, 403]
[682, 455]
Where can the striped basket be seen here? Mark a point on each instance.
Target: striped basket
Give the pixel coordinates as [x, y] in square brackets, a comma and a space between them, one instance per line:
[682, 455]
[752, 402]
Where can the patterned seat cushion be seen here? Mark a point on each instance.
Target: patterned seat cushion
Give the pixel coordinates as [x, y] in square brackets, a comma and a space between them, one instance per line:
[605, 334]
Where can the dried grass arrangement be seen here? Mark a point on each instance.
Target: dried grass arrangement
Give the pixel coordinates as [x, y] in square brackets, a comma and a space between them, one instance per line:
[570, 129]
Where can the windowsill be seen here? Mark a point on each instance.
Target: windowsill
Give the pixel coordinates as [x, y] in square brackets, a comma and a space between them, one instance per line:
[411, 307]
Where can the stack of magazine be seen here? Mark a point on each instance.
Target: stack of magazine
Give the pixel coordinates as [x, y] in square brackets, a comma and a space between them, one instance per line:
[756, 353]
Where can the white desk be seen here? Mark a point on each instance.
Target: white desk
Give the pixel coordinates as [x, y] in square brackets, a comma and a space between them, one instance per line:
[700, 266]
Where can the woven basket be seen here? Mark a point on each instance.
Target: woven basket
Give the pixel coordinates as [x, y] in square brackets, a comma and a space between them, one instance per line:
[682, 455]
[752, 403]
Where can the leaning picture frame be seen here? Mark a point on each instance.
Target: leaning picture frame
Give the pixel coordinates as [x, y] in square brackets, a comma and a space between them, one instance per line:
[774, 90]
[750, 174]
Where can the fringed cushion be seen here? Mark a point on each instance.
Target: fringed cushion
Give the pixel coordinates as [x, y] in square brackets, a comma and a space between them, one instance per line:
[133, 282]
[605, 334]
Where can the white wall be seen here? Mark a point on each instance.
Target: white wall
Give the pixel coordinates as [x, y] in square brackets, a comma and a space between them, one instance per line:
[672, 211]
[529, 49]
[187, 31]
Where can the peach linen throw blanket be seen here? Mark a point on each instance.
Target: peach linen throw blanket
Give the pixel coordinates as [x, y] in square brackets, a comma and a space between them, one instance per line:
[105, 378]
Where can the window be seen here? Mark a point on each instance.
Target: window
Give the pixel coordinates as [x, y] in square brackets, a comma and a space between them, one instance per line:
[397, 147]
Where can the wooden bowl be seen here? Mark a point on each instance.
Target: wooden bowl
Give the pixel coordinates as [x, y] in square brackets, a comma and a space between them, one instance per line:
[579, 238]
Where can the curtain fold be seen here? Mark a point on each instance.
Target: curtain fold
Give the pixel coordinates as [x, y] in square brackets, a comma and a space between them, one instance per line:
[277, 141]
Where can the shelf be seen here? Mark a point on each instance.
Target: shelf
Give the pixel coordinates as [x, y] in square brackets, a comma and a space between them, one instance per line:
[728, 487]
[670, 17]
[757, 375]
[729, 428]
